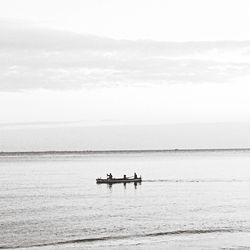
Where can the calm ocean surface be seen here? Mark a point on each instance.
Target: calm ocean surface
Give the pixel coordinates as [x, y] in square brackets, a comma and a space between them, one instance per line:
[189, 200]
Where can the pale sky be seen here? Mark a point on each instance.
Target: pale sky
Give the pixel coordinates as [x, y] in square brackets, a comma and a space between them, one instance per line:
[134, 62]
[168, 20]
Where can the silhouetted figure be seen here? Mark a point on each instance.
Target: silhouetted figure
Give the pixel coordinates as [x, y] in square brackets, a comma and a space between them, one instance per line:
[135, 175]
[124, 177]
[110, 176]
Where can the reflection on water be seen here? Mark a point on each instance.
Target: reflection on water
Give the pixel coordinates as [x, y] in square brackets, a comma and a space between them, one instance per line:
[110, 185]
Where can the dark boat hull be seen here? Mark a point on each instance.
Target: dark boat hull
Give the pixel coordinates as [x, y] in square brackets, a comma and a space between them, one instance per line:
[117, 180]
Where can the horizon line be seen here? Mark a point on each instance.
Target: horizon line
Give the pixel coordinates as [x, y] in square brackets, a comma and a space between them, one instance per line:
[88, 152]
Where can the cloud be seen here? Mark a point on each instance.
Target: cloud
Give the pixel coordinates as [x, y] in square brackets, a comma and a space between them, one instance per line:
[39, 58]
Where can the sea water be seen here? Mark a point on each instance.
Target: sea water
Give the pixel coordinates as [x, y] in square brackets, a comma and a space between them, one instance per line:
[187, 200]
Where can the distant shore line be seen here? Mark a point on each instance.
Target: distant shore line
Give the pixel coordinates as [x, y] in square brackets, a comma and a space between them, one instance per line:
[93, 152]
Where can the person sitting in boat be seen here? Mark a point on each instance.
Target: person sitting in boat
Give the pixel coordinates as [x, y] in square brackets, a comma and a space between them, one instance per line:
[110, 176]
[124, 177]
[135, 176]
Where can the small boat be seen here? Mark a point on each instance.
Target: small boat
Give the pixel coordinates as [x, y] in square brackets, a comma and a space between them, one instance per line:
[118, 180]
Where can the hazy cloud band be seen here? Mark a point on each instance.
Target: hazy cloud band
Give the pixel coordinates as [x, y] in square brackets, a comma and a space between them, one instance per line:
[32, 57]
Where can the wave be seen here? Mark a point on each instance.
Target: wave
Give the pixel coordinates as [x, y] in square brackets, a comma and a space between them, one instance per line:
[192, 231]
[121, 237]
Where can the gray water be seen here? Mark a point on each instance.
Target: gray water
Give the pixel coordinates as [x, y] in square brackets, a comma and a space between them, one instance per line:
[191, 200]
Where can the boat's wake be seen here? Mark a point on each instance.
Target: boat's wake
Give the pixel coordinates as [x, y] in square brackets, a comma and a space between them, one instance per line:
[196, 180]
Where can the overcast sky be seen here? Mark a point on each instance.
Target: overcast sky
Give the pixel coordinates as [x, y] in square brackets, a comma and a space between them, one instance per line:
[174, 20]
[110, 62]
